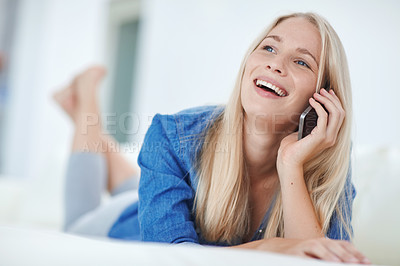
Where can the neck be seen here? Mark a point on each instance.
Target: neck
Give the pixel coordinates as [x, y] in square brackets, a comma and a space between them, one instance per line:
[261, 144]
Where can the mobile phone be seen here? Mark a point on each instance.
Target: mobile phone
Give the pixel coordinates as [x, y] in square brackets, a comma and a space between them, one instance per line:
[308, 120]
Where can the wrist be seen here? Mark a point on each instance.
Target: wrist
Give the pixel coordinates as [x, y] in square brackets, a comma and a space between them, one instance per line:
[290, 169]
[286, 162]
[291, 177]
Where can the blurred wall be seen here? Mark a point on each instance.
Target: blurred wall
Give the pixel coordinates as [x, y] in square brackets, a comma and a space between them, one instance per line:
[54, 40]
[189, 55]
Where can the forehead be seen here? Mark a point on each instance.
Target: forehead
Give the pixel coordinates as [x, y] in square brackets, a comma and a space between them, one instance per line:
[299, 33]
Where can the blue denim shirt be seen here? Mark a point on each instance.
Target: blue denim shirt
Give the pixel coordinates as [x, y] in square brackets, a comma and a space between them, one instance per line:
[168, 183]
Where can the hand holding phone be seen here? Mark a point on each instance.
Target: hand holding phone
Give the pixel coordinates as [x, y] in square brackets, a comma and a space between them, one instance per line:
[308, 120]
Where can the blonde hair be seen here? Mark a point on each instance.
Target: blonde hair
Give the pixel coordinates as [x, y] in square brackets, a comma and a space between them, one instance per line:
[222, 197]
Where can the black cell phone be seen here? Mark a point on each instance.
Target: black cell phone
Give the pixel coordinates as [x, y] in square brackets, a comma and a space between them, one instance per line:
[308, 120]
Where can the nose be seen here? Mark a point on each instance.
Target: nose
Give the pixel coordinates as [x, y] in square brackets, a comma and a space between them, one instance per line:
[276, 65]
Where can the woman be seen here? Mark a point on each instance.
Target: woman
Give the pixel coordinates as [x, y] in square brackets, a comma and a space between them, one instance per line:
[236, 175]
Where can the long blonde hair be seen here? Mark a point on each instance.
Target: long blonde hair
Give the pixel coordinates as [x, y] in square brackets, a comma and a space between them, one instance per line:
[222, 198]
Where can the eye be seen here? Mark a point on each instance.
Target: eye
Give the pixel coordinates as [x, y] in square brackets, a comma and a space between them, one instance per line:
[269, 49]
[302, 63]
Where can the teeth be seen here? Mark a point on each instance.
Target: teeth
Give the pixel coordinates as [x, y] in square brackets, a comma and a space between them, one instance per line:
[278, 90]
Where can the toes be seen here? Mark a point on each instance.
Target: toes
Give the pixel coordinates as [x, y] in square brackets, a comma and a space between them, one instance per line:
[60, 96]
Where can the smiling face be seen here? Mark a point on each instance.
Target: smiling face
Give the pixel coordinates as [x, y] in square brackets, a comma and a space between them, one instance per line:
[281, 74]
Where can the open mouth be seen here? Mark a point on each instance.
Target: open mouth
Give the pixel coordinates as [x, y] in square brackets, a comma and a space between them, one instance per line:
[270, 87]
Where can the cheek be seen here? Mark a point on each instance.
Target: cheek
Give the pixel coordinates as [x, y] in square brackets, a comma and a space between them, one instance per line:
[246, 96]
[305, 88]
[254, 61]
[246, 80]
[305, 84]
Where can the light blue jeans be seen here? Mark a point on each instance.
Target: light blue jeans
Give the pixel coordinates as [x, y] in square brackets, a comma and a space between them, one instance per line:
[85, 183]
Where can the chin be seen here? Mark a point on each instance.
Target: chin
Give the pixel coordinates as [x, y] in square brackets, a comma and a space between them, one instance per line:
[255, 107]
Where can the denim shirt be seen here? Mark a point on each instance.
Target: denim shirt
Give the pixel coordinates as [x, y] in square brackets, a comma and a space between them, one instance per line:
[168, 183]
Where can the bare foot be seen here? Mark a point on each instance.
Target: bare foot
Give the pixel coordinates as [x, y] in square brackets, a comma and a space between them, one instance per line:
[86, 84]
[81, 94]
[79, 101]
[66, 99]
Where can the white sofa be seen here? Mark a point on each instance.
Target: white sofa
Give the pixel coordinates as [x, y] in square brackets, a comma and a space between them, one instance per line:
[376, 214]
[36, 247]
[31, 217]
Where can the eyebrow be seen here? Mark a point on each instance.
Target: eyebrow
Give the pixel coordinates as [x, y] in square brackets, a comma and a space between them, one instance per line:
[276, 38]
[305, 51]
[300, 50]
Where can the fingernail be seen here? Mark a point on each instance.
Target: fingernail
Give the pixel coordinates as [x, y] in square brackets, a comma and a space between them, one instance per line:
[323, 90]
[332, 91]
[365, 260]
[354, 260]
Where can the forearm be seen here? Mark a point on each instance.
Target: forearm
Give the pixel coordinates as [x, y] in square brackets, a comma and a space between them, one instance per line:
[320, 248]
[300, 219]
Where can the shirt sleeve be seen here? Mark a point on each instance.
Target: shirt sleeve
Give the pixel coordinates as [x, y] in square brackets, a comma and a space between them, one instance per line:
[337, 227]
[165, 194]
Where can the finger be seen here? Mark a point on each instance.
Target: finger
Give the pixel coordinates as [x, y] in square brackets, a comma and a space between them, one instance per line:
[316, 250]
[322, 120]
[328, 101]
[328, 104]
[338, 103]
[335, 118]
[343, 253]
[335, 100]
[351, 248]
[331, 96]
